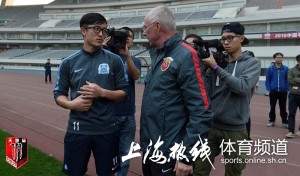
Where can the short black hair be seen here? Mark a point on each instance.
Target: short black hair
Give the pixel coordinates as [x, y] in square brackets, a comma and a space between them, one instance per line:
[92, 18]
[298, 57]
[128, 29]
[279, 53]
[194, 36]
[236, 28]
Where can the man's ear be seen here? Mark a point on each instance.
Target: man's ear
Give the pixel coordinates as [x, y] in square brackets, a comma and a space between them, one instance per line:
[83, 31]
[243, 38]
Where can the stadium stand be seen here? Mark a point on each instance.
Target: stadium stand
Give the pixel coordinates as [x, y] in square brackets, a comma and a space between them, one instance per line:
[9, 54]
[35, 54]
[74, 24]
[34, 23]
[201, 15]
[66, 23]
[57, 54]
[182, 16]
[20, 26]
[135, 20]
[10, 11]
[60, 2]
[271, 26]
[20, 15]
[63, 2]
[118, 21]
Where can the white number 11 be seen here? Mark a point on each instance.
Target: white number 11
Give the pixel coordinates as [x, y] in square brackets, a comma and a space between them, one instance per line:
[76, 126]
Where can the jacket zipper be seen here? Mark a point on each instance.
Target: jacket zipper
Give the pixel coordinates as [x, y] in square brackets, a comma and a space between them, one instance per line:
[278, 71]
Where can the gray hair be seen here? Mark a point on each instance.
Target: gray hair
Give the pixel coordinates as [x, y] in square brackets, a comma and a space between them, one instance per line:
[164, 15]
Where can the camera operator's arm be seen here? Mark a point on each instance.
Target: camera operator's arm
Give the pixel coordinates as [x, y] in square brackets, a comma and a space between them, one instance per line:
[240, 84]
[104, 44]
[132, 70]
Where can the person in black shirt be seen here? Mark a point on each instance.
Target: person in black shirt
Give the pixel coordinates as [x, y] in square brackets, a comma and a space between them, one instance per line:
[47, 67]
[88, 83]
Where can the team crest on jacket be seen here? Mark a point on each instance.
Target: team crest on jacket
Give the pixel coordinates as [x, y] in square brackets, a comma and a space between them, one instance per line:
[166, 63]
[103, 69]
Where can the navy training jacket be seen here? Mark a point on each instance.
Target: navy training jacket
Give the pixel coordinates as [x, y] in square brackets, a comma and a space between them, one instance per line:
[175, 105]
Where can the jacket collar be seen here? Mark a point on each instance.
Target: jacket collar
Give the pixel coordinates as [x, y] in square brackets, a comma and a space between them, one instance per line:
[91, 54]
[169, 45]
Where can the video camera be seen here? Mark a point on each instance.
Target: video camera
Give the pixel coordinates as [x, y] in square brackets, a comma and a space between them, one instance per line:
[219, 55]
[117, 40]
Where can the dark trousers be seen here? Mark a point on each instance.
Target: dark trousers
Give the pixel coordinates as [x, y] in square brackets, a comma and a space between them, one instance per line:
[294, 103]
[48, 73]
[281, 97]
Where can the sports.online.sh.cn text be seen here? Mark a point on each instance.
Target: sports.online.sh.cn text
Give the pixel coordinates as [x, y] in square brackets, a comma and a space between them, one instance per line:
[260, 151]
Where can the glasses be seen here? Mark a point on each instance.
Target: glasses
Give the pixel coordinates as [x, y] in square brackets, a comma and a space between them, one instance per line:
[228, 38]
[146, 27]
[98, 29]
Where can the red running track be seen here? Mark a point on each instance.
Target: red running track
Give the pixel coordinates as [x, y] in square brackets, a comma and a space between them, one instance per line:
[27, 109]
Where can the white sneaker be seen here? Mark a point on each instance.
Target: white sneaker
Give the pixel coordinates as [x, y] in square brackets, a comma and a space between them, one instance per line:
[271, 124]
[291, 135]
[298, 133]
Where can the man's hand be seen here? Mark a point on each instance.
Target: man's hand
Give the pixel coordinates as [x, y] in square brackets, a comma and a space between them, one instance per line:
[182, 169]
[131, 68]
[210, 61]
[106, 40]
[125, 52]
[91, 90]
[81, 104]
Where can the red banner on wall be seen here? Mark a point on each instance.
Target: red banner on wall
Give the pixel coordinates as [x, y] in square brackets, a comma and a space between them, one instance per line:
[283, 35]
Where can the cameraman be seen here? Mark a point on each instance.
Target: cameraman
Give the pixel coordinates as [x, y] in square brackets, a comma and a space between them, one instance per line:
[191, 38]
[231, 89]
[125, 109]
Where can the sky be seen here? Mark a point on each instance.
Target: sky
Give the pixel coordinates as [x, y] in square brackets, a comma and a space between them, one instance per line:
[26, 2]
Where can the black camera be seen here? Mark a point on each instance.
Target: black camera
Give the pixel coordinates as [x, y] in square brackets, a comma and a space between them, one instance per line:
[118, 39]
[219, 55]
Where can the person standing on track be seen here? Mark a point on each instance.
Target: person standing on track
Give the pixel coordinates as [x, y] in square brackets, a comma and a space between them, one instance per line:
[278, 87]
[175, 106]
[95, 78]
[294, 98]
[47, 67]
[125, 109]
[231, 89]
